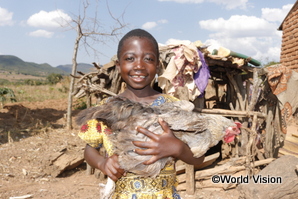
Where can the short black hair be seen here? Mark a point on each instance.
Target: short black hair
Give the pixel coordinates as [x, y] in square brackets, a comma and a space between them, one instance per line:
[137, 33]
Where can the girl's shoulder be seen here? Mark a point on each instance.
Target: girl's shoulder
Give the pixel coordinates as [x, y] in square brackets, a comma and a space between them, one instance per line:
[164, 98]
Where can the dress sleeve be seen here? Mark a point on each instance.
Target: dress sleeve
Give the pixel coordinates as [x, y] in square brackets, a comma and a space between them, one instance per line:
[91, 133]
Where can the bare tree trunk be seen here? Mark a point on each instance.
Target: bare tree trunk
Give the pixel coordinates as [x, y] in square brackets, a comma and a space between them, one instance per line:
[83, 30]
[72, 79]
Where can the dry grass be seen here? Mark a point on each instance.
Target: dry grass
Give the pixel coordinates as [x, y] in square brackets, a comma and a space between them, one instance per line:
[25, 93]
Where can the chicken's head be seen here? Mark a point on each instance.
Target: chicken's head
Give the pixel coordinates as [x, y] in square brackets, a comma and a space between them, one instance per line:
[231, 132]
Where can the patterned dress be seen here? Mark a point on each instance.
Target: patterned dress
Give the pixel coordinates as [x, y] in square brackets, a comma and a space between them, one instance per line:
[131, 186]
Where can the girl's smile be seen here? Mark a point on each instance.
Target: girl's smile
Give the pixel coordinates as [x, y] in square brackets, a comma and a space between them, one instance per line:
[138, 78]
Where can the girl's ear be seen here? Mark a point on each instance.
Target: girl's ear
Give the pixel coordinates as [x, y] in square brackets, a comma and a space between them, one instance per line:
[159, 68]
[118, 66]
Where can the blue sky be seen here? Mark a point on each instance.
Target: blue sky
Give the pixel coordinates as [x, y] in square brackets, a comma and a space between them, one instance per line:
[30, 30]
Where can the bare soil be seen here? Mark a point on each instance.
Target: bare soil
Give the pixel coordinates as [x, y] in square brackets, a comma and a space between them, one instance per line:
[31, 136]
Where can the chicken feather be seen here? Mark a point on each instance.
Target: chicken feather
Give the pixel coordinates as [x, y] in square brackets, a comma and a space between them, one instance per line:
[199, 131]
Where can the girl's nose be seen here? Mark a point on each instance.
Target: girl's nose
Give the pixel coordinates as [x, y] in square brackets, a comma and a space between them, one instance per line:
[139, 64]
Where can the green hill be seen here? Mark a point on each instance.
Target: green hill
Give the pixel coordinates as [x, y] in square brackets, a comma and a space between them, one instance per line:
[14, 64]
[85, 68]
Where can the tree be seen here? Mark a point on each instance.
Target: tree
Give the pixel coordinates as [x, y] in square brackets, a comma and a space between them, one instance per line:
[87, 28]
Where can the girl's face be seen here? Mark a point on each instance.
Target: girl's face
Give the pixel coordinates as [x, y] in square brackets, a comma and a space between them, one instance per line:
[138, 62]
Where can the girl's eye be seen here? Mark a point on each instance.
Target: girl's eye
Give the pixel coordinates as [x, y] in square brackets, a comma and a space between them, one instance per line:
[149, 59]
[129, 58]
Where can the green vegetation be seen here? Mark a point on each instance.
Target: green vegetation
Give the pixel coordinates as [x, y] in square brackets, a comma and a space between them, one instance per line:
[40, 93]
[5, 95]
[80, 104]
[271, 63]
[54, 78]
[4, 82]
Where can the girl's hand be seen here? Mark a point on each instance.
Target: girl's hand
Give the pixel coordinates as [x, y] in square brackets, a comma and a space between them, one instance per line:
[111, 168]
[160, 146]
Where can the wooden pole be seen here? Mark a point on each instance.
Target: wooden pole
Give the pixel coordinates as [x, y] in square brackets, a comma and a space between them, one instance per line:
[225, 112]
[238, 93]
[190, 179]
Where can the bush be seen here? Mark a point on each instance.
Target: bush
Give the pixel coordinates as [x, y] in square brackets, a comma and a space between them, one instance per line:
[54, 78]
[6, 94]
[271, 63]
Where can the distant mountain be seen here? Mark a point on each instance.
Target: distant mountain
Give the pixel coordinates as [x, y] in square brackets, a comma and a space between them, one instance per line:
[85, 68]
[14, 64]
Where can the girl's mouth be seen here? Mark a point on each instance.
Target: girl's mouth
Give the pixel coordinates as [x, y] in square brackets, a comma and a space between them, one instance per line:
[138, 78]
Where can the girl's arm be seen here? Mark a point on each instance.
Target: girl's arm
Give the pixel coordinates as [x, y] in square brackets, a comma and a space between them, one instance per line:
[108, 165]
[165, 145]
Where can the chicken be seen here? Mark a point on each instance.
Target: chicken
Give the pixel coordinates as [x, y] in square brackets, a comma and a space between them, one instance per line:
[198, 131]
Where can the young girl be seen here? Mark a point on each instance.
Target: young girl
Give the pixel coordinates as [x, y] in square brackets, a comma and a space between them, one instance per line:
[138, 60]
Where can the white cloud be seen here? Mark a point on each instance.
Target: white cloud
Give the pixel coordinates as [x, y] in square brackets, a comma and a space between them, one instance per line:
[228, 4]
[239, 26]
[276, 14]
[162, 21]
[5, 17]
[262, 49]
[212, 44]
[177, 41]
[52, 19]
[152, 24]
[149, 25]
[41, 33]
[231, 4]
[273, 54]
[248, 35]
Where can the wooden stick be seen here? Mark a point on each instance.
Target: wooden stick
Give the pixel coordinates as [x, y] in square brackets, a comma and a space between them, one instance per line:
[190, 179]
[208, 160]
[247, 85]
[254, 96]
[103, 90]
[225, 112]
[250, 145]
[239, 96]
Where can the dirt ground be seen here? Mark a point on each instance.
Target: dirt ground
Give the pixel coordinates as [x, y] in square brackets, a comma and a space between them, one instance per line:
[31, 136]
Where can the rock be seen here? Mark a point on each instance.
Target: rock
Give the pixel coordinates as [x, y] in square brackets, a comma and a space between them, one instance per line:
[63, 160]
[278, 180]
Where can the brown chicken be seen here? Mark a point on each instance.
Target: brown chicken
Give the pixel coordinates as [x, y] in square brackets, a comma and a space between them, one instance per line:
[198, 131]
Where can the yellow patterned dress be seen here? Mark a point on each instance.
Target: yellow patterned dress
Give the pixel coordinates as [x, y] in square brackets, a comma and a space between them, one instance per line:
[131, 186]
